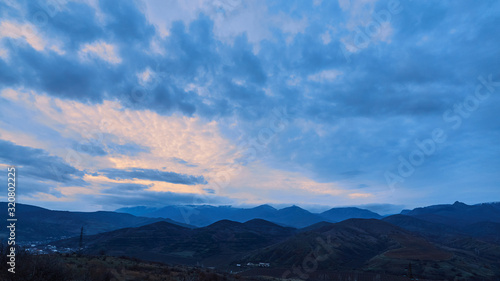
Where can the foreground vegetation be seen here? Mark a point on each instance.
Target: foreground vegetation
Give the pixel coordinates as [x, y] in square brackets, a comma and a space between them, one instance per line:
[74, 267]
[77, 267]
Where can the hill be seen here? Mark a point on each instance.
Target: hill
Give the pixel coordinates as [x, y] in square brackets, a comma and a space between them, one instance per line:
[294, 216]
[424, 228]
[376, 246]
[40, 224]
[340, 214]
[213, 245]
[458, 214]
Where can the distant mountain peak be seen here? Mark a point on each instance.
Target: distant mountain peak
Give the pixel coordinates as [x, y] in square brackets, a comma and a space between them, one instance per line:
[265, 207]
[405, 211]
[260, 222]
[458, 203]
[163, 225]
[343, 213]
[293, 207]
[224, 223]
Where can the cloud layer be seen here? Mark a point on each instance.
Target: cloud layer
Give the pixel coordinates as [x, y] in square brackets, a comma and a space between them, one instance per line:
[321, 102]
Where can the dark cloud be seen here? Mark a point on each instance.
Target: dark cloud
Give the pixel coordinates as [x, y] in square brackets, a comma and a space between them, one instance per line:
[126, 21]
[153, 175]
[95, 148]
[183, 162]
[389, 94]
[61, 76]
[209, 190]
[90, 149]
[76, 24]
[129, 149]
[156, 199]
[37, 163]
[380, 85]
[117, 189]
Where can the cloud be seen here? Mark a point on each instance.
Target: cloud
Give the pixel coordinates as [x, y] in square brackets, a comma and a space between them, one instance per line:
[181, 84]
[127, 22]
[129, 149]
[38, 163]
[325, 75]
[154, 199]
[100, 50]
[360, 195]
[125, 188]
[90, 149]
[24, 31]
[127, 138]
[183, 162]
[153, 175]
[95, 148]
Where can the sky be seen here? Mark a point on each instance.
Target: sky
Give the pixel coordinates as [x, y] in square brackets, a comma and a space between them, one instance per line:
[383, 104]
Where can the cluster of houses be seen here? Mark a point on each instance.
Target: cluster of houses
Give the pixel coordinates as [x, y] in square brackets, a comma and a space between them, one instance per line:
[260, 264]
[46, 249]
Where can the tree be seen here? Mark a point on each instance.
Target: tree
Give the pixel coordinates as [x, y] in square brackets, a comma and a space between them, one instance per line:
[80, 248]
[410, 272]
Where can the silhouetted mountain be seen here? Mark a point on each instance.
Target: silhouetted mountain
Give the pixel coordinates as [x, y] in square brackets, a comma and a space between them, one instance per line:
[137, 211]
[458, 214]
[316, 226]
[422, 227]
[259, 212]
[488, 231]
[348, 244]
[215, 244]
[474, 239]
[296, 217]
[340, 214]
[204, 215]
[437, 251]
[405, 211]
[40, 224]
[263, 226]
[378, 246]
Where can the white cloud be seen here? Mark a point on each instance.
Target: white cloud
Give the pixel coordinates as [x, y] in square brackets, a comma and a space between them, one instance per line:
[22, 31]
[145, 77]
[259, 183]
[360, 195]
[29, 34]
[365, 25]
[196, 141]
[359, 13]
[100, 50]
[326, 38]
[57, 49]
[192, 139]
[231, 18]
[293, 80]
[325, 76]
[3, 53]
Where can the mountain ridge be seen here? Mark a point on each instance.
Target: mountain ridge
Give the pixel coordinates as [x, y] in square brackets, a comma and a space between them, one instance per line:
[294, 216]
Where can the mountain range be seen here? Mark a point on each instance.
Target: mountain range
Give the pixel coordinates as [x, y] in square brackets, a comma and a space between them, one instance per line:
[442, 242]
[40, 224]
[364, 245]
[458, 213]
[293, 216]
[212, 245]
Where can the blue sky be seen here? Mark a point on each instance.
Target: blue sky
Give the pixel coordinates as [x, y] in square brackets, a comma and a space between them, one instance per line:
[105, 104]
